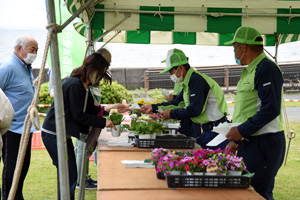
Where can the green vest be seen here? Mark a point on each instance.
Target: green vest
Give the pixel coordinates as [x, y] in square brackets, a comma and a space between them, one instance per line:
[215, 106]
[247, 102]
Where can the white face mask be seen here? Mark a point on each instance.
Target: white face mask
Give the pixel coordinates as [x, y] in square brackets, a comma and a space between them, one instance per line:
[94, 79]
[175, 79]
[30, 58]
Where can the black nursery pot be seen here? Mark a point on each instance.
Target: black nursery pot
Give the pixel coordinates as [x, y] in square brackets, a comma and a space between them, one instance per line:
[159, 175]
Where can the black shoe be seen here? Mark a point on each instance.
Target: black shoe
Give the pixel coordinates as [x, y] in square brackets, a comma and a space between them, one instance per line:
[92, 180]
[89, 185]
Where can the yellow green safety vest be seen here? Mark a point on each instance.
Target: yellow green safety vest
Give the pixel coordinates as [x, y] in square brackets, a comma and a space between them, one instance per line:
[247, 102]
[215, 106]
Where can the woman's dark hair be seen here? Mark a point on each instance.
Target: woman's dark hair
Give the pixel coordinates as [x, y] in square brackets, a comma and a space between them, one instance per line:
[93, 63]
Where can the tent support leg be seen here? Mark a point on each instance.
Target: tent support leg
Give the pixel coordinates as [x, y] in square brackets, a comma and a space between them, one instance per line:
[111, 39]
[81, 192]
[290, 133]
[106, 32]
[59, 108]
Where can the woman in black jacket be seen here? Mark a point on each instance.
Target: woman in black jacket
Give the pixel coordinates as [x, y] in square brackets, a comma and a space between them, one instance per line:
[76, 97]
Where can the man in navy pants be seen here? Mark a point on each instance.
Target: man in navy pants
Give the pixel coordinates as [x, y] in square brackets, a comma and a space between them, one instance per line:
[258, 109]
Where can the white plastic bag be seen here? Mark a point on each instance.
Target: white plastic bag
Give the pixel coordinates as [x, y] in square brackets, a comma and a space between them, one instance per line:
[6, 113]
[6, 116]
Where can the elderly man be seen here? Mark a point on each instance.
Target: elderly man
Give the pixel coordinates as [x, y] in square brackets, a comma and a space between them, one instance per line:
[203, 98]
[17, 83]
[258, 109]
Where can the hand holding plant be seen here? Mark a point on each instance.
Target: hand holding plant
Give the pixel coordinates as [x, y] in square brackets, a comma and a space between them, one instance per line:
[116, 117]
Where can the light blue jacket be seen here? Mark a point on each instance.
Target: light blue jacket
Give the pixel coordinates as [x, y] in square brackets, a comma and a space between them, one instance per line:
[16, 81]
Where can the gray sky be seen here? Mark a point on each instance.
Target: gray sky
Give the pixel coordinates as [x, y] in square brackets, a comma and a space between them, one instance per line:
[31, 14]
[23, 14]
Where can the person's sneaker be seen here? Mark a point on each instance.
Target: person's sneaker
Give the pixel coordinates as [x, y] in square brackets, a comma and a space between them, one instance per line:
[92, 180]
[89, 185]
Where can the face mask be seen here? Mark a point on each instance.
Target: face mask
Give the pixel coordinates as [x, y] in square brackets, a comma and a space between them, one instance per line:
[96, 93]
[238, 61]
[94, 79]
[30, 58]
[175, 79]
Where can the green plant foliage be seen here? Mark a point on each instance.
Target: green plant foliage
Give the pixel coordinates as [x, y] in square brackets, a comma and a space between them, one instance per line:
[114, 93]
[44, 97]
[140, 92]
[144, 127]
[156, 95]
[135, 111]
[116, 117]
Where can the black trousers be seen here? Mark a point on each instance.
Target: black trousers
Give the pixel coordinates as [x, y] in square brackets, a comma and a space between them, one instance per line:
[11, 142]
[190, 128]
[263, 155]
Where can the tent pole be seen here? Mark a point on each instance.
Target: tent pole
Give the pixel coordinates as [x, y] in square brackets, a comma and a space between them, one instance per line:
[59, 108]
[81, 192]
[215, 14]
[111, 29]
[276, 47]
[76, 14]
[290, 133]
[111, 39]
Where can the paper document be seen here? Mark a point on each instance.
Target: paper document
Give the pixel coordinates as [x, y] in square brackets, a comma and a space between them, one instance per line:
[120, 143]
[222, 129]
[137, 164]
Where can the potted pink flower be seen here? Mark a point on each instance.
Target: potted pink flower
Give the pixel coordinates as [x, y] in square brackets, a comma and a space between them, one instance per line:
[235, 165]
[157, 154]
[175, 166]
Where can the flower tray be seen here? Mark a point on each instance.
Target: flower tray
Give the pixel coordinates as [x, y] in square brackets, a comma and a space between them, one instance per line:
[168, 141]
[204, 181]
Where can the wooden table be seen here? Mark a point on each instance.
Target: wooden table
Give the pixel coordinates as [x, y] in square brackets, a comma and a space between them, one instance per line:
[117, 182]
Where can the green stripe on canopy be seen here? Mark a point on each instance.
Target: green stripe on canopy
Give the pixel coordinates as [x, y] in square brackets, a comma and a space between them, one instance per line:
[156, 22]
[184, 38]
[140, 37]
[223, 24]
[199, 22]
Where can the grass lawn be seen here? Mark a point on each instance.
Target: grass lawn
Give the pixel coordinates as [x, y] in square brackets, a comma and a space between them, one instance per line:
[40, 182]
[287, 182]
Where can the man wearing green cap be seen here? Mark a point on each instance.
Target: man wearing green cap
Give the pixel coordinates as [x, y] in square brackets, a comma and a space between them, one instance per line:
[187, 126]
[203, 98]
[258, 109]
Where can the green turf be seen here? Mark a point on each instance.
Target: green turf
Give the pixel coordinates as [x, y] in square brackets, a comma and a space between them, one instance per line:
[41, 179]
[40, 182]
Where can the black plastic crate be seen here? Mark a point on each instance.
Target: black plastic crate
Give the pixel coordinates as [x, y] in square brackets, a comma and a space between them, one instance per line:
[170, 142]
[185, 181]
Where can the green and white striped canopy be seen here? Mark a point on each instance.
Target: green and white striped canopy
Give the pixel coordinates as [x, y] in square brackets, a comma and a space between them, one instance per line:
[201, 22]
